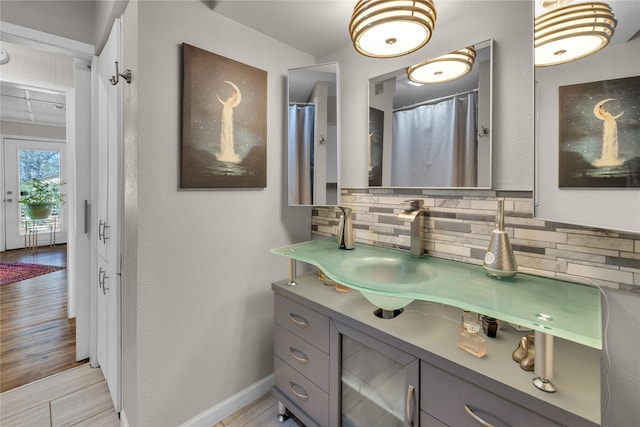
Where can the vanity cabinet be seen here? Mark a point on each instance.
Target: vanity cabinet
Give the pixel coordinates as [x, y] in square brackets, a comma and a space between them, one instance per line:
[301, 362]
[453, 401]
[338, 364]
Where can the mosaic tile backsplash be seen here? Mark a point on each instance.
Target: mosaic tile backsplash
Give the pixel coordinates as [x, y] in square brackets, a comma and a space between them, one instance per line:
[459, 223]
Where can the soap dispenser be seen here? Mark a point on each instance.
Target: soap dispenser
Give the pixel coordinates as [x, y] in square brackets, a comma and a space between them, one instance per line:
[346, 239]
[499, 260]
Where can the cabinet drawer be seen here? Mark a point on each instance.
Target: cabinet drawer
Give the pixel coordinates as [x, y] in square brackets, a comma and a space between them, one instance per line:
[444, 397]
[302, 356]
[309, 325]
[427, 420]
[308, 396]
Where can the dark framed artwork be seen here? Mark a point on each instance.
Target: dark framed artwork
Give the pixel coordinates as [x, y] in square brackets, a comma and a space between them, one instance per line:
[224, 122]
[599, 134]
[376, 129]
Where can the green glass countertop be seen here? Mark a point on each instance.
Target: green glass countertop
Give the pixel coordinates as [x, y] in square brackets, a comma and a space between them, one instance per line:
[563, 309]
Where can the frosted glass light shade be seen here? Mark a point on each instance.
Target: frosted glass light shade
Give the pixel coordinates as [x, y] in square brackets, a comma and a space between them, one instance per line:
[443, 68]
[572, 32]
[390, 28]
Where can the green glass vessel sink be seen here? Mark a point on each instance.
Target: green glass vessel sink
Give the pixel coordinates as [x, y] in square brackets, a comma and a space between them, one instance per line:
[391, 279]
[389, 272]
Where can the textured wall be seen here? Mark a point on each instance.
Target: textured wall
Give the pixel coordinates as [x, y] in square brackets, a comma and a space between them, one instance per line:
[198, 260]
[459, 225]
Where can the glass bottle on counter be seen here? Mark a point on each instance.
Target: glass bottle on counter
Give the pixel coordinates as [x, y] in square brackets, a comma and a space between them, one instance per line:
[468, 338]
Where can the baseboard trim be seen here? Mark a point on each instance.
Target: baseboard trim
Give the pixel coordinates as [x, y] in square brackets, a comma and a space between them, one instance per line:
[222, 410]
[124, 422]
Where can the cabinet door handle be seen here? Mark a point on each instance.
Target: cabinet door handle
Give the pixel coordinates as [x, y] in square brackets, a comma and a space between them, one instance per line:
[411, 393]
[101, 229]
[104, 232]
[100, 279]
[298, 355]
[104, 283]
[303, 395]
[299, 320]
[480, 421]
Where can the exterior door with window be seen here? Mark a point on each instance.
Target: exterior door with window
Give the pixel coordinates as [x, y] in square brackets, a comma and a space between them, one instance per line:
[24, 160]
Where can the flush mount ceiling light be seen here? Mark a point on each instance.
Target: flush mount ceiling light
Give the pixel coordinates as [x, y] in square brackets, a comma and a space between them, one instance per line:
[572, 32]
[443, 68]
[390, 28]
[4, 56]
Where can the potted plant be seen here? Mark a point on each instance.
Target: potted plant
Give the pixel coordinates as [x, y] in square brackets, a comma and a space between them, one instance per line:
[41, 197]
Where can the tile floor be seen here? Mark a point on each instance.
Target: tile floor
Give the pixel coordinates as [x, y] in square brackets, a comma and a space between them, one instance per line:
[261, 413]
[79, 397]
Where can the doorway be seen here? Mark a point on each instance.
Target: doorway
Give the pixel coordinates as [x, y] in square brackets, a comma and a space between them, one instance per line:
[72, 79]
[24, 160]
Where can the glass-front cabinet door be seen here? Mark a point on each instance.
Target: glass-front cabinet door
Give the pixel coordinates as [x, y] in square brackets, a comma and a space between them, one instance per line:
[379, 384]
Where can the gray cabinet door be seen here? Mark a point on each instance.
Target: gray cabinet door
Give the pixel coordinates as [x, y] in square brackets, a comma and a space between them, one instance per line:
[378, 385]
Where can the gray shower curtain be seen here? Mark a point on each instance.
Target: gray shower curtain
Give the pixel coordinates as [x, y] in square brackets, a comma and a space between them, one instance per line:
[435, 145]
[301, 145]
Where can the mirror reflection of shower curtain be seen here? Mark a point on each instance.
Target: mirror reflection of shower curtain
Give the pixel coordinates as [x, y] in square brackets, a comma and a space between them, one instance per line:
[301, 145]
[435, 145]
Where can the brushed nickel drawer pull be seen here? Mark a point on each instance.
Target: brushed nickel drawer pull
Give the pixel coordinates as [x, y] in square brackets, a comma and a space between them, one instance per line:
[303, 395]
[410, 397]
[482, 422]
[298, 355]
[299, 320]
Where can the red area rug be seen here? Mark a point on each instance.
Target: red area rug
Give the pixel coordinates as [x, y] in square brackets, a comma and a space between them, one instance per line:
[11, 272]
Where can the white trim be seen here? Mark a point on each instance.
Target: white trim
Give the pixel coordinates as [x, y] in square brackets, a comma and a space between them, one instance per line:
[217, 413]
[124, 422]
[37, 39]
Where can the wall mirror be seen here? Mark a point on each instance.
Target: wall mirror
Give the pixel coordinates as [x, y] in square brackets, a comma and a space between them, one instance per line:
[313, 135]
[432, 135]
[579, 179]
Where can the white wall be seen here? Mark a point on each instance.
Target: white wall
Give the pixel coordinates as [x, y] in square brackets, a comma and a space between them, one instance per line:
[202, 318]
[460, 23]
[576, 205]
[70, 19]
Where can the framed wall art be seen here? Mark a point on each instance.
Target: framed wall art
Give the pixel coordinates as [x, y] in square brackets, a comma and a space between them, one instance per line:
[224, 122]
[599, 135]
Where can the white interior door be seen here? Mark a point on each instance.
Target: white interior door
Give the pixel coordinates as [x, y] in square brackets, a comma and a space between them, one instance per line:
[107, 224]
[26, 159]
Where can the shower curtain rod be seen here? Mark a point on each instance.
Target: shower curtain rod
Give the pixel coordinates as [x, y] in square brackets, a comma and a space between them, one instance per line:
[302, 103]
[431, 101]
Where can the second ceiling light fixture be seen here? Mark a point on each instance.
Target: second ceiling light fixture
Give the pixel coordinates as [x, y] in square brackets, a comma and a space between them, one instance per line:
[392, 28]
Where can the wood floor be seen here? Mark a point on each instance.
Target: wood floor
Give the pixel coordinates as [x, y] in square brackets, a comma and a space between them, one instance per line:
[36, 338]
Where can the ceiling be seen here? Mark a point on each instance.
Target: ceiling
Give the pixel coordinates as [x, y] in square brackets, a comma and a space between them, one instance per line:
[311, 26]
[318, 27]
[25, 104]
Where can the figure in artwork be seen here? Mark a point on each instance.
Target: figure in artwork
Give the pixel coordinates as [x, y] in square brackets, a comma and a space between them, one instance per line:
[609, 154]
[227, 150]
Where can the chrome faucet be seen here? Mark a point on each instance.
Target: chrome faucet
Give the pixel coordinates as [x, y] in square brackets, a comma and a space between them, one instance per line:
[346, 239]
[415, 215]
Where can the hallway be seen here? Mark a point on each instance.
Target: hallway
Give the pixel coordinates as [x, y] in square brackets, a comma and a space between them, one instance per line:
[36, 337]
